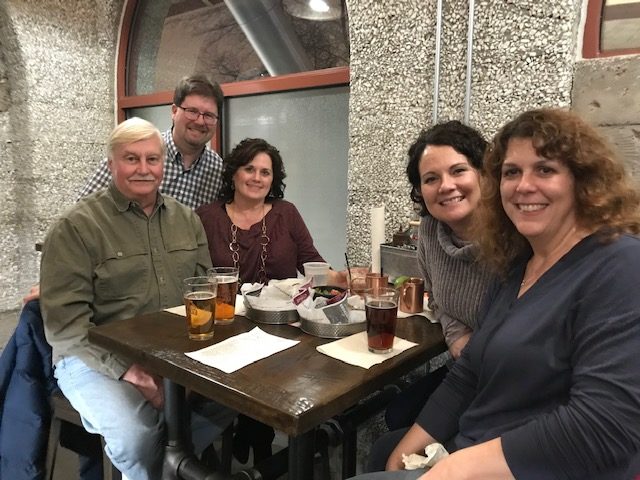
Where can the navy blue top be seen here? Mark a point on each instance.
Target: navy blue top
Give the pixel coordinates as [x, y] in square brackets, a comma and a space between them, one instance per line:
[554, 372]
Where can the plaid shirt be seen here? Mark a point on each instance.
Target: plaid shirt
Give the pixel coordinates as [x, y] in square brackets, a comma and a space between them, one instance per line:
[198, 185]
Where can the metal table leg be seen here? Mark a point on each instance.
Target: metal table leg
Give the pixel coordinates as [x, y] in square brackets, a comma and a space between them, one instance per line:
[179, 461]
[301, 455]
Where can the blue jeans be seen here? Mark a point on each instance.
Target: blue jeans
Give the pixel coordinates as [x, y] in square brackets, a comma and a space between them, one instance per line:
[132, 429]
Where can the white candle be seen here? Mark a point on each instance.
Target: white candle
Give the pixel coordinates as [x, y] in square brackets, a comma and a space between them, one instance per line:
[377, 236]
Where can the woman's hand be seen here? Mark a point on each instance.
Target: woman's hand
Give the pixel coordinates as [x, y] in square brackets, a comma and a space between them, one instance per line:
[150, 386]
[484, 461]
[414, 441]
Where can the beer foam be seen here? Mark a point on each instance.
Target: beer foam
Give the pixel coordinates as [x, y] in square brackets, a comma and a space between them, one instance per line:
[226, 278]
[199, 295]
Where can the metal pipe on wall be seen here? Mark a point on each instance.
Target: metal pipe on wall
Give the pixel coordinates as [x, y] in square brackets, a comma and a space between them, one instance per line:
[436, 73]
[467, 93]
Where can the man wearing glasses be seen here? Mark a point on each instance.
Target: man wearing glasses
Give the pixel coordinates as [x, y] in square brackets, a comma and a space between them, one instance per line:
[193, 171]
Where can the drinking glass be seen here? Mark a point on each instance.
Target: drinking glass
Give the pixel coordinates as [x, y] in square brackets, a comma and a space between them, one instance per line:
[381, 309]
[227, 280]
[318, 272]
[357, 279]
[200, 303]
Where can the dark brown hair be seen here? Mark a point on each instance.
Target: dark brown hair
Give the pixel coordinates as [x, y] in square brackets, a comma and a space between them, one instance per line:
[463, 139]
[241, 155]
[198, 85]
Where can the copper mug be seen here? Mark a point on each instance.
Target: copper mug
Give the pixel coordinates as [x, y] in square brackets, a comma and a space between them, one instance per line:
[412, 295]
[375, 281]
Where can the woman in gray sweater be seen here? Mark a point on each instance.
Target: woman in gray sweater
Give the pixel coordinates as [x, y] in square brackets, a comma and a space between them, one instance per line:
[443, 169]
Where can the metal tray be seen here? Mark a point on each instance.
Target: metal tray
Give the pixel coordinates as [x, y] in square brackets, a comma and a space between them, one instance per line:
[270, 317]
[331, 330]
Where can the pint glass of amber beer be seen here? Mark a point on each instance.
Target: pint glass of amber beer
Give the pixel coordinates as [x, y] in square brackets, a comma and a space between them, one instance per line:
[200, 303]
[227, 280]
[381, 308]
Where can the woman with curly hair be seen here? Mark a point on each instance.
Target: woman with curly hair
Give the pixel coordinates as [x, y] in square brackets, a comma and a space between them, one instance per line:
[548, 386]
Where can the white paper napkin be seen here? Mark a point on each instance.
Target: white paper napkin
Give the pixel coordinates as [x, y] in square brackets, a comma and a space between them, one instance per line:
[241, 350]
[353, 350]
[240, 309]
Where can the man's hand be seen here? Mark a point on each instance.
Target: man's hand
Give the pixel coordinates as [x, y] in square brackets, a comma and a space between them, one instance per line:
[456, 347]
[34, 294]
[150, 386]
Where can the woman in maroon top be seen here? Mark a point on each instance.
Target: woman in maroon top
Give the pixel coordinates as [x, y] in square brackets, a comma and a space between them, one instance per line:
[253, 228]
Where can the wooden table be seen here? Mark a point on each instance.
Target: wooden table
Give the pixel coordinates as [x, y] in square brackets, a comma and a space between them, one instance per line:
[293, 391]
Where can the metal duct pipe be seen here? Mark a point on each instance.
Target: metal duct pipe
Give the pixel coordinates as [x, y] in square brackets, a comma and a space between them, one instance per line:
[436, 74]
[271, 35]
[467, 93]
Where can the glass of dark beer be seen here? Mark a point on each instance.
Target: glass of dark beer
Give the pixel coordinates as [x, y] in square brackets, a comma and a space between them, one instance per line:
[381, 308]
[200, 303]
[227, 280]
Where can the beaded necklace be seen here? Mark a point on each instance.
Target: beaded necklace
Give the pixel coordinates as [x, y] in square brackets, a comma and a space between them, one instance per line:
[235, 249]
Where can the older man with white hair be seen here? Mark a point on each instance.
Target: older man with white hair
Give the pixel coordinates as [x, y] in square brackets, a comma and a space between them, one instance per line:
[118, 253]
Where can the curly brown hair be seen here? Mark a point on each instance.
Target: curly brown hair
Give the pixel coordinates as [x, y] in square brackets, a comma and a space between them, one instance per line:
[606, 201]
[242, 154]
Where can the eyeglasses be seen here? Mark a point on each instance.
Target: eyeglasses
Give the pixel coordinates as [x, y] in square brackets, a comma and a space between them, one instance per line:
[193, 115]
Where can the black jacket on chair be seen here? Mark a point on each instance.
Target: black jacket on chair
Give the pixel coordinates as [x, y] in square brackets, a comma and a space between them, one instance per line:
[26, 383]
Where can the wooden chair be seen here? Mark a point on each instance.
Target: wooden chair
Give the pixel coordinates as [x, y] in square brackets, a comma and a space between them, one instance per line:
[62, 412]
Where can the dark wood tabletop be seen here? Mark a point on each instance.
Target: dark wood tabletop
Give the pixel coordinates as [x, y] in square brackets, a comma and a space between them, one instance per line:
[293, 391]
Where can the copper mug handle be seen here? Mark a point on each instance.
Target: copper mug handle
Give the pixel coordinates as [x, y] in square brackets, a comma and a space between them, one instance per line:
[412, 295]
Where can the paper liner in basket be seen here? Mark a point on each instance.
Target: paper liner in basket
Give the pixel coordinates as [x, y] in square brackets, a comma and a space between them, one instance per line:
[266, 298]
[318, 311]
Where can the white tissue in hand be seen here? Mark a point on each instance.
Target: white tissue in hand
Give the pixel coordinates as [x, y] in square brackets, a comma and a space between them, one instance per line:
[434, 453]
[414, 461]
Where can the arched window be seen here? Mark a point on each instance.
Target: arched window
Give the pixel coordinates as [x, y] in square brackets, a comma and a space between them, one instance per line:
[283, 68]
[612, 28]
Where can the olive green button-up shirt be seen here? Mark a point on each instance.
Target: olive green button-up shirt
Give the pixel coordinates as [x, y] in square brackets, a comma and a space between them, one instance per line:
[105, 260]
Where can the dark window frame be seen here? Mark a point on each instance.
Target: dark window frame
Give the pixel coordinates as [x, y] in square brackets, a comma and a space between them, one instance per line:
[591, 41]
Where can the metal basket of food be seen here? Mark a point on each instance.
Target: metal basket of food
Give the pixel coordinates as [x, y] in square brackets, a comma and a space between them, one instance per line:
[331, 330]
[335, 320]
[271, 317]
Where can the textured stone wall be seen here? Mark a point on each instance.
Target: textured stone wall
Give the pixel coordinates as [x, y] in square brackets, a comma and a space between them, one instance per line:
[605, 92]
[523, 58]
[56, 109]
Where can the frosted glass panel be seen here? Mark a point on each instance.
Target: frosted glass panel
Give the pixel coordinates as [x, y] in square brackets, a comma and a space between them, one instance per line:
[160, 115]
[310, 128]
